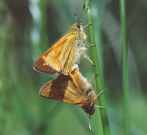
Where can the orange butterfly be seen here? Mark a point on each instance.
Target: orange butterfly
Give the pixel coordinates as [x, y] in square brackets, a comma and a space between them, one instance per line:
[72, 89]
[64, 53]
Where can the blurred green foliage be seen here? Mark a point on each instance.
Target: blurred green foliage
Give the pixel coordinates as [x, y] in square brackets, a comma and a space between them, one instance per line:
[28, 27]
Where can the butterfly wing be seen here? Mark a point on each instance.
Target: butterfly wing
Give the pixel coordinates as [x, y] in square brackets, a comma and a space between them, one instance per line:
[60, 57]
[62, 89]
[70, 61]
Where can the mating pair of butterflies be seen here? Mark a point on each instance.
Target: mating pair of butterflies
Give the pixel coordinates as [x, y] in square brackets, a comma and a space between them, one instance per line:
[70, 86]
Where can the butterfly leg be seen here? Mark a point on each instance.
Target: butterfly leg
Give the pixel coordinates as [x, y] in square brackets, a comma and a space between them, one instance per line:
[89, 59]
[100, 91]
[99, 94]
[100, 106]
[89, 45]
[86, 26]
[82, 51]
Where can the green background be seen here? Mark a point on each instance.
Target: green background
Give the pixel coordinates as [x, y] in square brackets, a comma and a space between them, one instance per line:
[29, 27]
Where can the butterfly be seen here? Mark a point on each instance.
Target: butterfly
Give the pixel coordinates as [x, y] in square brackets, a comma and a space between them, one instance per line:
[72, 89]
[64, 53]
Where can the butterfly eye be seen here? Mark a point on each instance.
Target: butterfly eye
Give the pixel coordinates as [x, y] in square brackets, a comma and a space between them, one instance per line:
[88, 91]
[78, 26]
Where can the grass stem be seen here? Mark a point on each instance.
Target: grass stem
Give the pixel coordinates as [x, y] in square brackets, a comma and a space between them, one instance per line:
[124, 44]
[96, 120]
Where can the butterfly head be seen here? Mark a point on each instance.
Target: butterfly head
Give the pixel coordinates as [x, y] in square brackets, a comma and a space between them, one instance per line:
[77, 27]
[89, 105]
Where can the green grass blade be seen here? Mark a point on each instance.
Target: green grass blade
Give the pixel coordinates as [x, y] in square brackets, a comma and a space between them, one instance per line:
[125, 80]
[96, 121]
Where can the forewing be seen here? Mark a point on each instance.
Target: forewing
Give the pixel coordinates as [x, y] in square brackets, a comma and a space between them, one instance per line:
[55, 89]
[61, 89]
[70, 61]
[56, 57]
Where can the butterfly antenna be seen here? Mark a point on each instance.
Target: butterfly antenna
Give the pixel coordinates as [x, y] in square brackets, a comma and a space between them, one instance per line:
[99, 94]
[81, 11]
